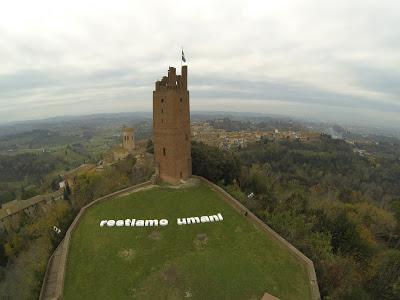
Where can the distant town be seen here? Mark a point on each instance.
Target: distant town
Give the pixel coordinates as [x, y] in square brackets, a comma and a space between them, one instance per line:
[209, 132]
[204, 132]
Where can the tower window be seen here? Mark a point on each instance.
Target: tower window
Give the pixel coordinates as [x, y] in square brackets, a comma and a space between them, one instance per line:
[181, 100]
[164, 152]
[181, 174]
[162, 110]
[162, 100]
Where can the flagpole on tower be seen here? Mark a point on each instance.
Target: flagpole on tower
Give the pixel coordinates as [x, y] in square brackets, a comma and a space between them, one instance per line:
[183, 59]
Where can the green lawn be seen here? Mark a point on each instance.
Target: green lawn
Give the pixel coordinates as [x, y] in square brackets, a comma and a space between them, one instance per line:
[231, 259]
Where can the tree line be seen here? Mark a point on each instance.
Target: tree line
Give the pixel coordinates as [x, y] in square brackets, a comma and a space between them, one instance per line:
[340, 209]
[26, 248]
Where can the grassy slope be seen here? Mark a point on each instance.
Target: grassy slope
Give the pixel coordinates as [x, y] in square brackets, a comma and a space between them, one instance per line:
[237, 261]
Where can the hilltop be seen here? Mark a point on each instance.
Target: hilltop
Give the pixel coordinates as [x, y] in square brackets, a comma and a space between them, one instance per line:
[230, 259]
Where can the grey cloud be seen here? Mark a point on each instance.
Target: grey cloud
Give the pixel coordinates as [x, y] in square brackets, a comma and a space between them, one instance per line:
[105, 56]
[379, 79]
[285, 91]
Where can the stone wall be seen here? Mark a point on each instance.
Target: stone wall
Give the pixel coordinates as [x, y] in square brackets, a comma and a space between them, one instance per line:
[11, 212]
[53, 282]
[271, 233]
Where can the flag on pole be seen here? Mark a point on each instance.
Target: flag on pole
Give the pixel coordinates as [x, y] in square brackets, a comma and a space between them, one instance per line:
[183, 56]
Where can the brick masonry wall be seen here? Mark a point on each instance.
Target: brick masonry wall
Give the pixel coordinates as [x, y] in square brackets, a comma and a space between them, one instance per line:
[171, 127]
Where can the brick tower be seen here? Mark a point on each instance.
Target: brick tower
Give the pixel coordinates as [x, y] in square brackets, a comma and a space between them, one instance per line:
[171, 127]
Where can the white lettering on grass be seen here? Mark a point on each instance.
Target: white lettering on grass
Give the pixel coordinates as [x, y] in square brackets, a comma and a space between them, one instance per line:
[204, 219]
[139, 223]
[151, 223]
[163, 222]
[193, 220]
[197, 220]
[181, 222]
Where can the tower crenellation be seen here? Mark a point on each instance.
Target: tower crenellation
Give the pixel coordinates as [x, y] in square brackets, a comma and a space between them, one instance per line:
[173, 81]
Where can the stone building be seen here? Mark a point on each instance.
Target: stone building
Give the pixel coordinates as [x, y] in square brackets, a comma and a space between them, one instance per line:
[71, 176]
[12, 212]
[124, 149]
[128, 139]
[127, 146]
[171, 127]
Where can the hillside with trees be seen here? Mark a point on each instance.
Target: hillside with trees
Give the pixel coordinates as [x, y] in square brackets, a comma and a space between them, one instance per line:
[339, 208]
[25, 249]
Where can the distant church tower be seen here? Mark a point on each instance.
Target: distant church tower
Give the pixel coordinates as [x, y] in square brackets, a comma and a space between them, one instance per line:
[128, 140]
[171, 127]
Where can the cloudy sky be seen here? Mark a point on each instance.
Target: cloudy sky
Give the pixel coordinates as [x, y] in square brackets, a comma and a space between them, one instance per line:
[328, 60]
